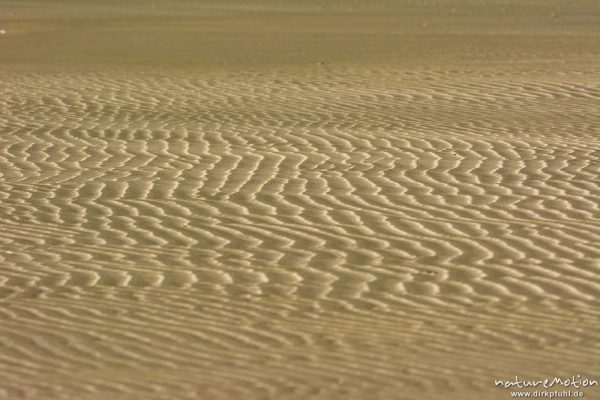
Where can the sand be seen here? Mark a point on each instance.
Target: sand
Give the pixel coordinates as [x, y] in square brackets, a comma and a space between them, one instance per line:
[326, 200]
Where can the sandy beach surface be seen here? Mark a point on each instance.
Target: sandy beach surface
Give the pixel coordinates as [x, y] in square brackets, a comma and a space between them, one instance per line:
[247, 200]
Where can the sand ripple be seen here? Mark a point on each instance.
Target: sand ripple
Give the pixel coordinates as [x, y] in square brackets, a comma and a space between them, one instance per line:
[331, 233]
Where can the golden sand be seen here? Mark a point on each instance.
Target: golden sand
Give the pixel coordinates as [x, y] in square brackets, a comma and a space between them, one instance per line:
[319, 200]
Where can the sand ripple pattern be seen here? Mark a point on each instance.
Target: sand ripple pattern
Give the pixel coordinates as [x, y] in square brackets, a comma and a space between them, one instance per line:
[349, 234]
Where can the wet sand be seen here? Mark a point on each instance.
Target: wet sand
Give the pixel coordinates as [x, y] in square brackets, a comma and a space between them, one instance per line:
[254, 200]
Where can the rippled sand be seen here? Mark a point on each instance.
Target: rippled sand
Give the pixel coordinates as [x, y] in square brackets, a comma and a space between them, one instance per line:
[259, 200]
